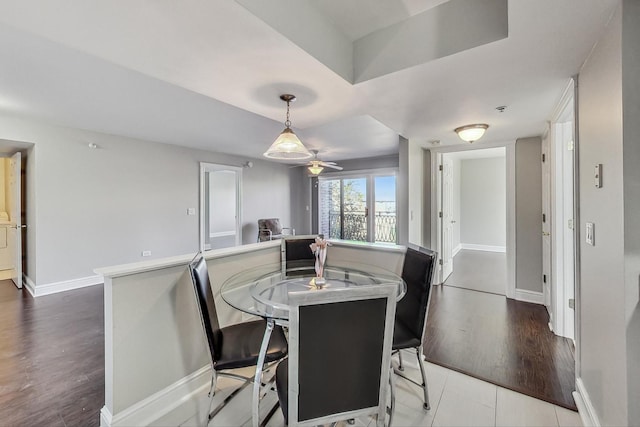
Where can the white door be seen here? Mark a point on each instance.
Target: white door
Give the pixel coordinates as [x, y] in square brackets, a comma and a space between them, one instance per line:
[447, 218]
[546, 225]
[15, 211]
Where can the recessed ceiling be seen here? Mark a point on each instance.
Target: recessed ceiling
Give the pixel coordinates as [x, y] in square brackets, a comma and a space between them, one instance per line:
[357, 18]
[208, 73]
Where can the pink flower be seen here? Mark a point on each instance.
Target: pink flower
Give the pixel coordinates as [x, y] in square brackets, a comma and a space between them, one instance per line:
[319, 244]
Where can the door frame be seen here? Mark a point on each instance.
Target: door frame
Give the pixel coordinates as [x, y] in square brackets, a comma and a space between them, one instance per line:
[436, 205]
[209, 167]
[560, 245]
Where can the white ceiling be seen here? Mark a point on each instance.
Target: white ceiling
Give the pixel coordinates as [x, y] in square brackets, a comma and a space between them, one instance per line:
[207, 73]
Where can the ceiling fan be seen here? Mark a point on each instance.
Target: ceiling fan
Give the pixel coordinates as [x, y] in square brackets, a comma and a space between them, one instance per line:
[315, 165]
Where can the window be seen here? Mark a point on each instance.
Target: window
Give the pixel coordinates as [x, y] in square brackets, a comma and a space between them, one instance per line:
[358, 207]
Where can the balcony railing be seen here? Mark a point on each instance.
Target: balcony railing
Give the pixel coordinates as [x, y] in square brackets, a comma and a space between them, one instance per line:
[355, 226]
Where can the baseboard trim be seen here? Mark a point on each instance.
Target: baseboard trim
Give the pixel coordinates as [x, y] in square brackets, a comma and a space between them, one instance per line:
[159, 404]
[29, 285]
[456, 250]
[529, 296]
[486, 248]
[585, 407]
[105, 417]
[65, 285]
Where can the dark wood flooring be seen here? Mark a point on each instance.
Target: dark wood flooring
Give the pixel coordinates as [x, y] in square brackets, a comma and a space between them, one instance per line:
[51, 357]
[502, 341]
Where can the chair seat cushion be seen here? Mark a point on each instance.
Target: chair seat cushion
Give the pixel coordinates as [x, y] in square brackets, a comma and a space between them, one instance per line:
[403, 337]
[282, 387]
[241, 345]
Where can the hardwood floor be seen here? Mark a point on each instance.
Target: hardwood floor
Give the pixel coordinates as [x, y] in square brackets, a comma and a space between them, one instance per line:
[502, 341]
[51, 357]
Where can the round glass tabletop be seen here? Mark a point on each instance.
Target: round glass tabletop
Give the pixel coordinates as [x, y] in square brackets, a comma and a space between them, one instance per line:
[264, 291]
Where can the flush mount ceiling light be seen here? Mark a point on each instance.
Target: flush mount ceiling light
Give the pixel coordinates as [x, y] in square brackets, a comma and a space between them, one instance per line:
[471, 133]
[287, 146]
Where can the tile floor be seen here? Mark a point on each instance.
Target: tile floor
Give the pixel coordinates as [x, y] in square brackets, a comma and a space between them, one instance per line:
[456, 400]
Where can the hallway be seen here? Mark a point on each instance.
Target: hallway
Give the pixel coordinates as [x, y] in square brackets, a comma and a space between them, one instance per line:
[502, 341]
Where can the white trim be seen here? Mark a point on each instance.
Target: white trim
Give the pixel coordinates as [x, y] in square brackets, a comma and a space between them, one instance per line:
[529, 296]
[458, 249]
[585, 407]
[29, 285]
[105, 417]
[486, 248]
[223, 233]
[65, 285]
[209, 167]
[154, 407]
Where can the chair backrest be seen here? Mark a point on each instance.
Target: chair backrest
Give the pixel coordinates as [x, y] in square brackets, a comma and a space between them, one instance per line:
[417, 272]
[206, 305]
[339, 353]
[296, 254]
[268, 224]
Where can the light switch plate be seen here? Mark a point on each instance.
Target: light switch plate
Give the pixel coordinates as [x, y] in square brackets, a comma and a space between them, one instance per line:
[191, 211]
[590, 235]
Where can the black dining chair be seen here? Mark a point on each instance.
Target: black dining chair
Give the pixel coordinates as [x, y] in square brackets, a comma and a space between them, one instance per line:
[297, 257]
[231, 347]
[338, 368]
[411, 312]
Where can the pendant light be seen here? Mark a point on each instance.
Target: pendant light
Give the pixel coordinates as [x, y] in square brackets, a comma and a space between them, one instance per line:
[471, 133]
[287, 146]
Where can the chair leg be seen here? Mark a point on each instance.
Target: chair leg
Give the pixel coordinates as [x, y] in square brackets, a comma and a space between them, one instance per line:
[392, 393]
[425, 389]
[212, 392]
[400, 367]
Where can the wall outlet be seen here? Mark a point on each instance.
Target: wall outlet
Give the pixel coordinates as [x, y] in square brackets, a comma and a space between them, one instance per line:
[191, 211]
[146, 253]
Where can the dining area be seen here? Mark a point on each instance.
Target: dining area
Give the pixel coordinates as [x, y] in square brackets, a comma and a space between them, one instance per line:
[313, 330]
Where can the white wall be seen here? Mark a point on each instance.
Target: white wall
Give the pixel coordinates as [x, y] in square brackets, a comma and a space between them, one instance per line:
[94, 207]
[631, 133]
[608, 93]
[483, 202]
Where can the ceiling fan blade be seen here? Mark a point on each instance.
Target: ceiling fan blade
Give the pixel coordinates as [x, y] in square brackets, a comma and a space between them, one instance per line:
[332, 166]
[328, 163]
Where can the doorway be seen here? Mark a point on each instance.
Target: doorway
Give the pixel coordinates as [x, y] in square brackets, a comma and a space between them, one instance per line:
[474, 220]
[477, 227]
[12, 210]
[220, 206]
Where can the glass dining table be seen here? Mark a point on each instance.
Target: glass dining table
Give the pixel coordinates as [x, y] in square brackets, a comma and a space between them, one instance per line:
[264, 291]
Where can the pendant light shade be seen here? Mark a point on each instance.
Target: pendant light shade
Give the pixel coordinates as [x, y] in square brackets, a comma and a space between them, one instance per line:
[287, 145]
[471, 133]
[315, 167]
